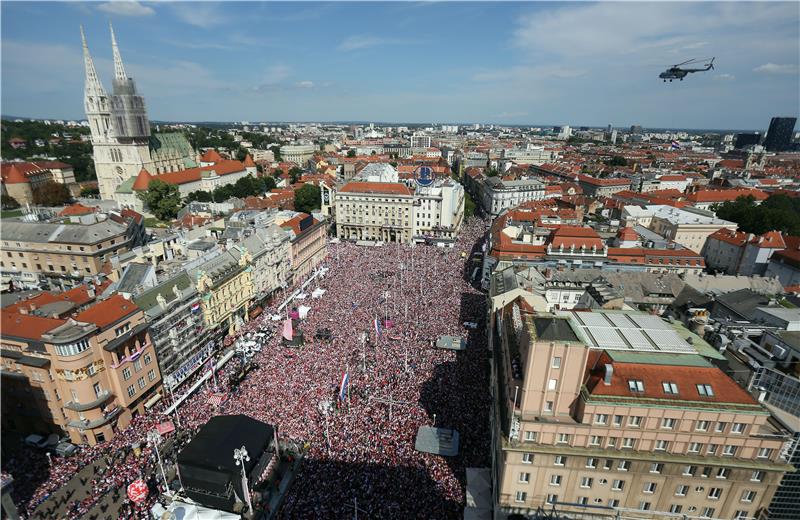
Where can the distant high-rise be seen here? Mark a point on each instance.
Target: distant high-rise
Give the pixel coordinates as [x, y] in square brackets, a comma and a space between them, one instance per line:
[779, 135]
[748, 139]
[636, 129]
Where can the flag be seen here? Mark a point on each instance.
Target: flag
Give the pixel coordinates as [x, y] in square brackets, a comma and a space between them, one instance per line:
[675, 145]
[196, 307]
[343, 386]
[287, 330]
[377, 327]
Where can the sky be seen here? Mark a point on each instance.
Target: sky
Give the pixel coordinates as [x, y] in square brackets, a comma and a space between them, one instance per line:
[426, 62]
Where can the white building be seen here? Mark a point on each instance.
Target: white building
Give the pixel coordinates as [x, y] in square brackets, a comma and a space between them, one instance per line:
[298, 153]
[688, 226]
[420, 141]
[496, 194]
[532, 154]
[438, 211]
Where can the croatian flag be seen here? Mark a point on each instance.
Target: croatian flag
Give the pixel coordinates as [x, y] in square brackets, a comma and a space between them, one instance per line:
[377, 327]
[287, 330]
[343, 386]
[196, 307]
[675, 145]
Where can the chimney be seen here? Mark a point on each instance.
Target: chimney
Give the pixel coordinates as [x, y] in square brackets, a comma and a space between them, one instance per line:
[609, 372]
[90, 291]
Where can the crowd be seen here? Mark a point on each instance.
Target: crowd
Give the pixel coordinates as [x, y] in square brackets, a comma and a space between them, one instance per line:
[369, 456]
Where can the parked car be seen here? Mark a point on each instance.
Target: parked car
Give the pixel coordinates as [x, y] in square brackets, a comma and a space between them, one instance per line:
[65, 449]
[470, 325]
[38, 441]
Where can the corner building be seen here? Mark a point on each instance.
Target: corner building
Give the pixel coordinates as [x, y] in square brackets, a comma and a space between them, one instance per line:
[618, 410]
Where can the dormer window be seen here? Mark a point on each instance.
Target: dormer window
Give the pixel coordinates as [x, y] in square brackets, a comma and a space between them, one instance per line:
[705, 390]
[636, 385]
[669, 388]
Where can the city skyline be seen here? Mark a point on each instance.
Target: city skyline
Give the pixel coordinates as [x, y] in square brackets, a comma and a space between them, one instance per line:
[514, 64]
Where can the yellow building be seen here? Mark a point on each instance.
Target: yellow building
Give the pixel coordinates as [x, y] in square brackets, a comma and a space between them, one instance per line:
[225, 285]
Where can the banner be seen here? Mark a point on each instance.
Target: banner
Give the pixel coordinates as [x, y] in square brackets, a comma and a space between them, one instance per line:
[343, 386]
[288, 333]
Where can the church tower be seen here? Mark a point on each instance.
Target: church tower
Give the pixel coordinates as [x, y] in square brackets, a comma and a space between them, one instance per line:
[119, 124]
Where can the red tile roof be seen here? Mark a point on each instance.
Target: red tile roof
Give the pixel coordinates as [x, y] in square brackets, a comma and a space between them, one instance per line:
[389, 188]
[248, 162]
[729, 236]
[223, 167]
[142, 180]
[672, 178]
[108, 312]
[76, 209]
[770, 240]
[725, 389]
[211, 156]
[724, 195]
[18, 172]
[26, 326]
[569, 236]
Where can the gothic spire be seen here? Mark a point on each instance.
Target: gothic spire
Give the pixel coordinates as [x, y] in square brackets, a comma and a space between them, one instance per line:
[92, 82]
[119, 68]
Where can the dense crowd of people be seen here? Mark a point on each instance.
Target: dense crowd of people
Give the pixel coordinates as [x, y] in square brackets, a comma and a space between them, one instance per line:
[383, 310]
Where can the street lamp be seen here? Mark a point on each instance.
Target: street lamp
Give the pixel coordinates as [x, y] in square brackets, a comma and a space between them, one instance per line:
[241, 456]
[326, 407]
[154, 439]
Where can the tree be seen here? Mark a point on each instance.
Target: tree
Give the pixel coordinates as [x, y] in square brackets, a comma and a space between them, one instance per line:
[269, 183]
[351, 153]
[308, 198]
[241, 154]
[778, 212]
[295, 174]
[51, 193]
[162, 199]
[199, 196]
[617, 160]
[492, 172]
[469, 206]
[8, 202]
[90, 192]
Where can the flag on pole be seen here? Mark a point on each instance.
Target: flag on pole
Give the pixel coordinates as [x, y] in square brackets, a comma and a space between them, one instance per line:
[377, 327]
[675, 145]
[196, 307]
[343, 386]
[287, 330]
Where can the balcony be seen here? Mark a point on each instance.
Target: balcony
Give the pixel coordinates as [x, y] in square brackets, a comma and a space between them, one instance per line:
[86, 424]
[82, 407]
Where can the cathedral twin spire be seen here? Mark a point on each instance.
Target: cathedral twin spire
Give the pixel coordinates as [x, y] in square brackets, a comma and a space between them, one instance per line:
[93, 84]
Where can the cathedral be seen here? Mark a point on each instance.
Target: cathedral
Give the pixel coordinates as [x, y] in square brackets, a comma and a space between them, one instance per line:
[121, 139]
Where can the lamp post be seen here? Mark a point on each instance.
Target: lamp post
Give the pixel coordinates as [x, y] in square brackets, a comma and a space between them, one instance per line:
[154, 439]
[241, 456]
[326, 407]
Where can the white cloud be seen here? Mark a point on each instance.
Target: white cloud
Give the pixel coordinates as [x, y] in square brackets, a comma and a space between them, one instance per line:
[199, 14]
[354, 43]
[724, 77]
[511, 115]
[305, 84]
[774, 68]
[276, 74]
[525, 73]
[126, 8]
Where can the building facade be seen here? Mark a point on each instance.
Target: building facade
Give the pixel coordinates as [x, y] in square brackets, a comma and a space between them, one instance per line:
[374, 211]
[309, 239]
[298, 153]
[225, 285]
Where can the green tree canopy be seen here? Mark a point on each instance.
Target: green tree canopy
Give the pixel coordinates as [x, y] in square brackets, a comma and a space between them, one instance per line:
[778, 212]
[617, 160]
[351, 152]
[308, 198]
[8, 202]
[162, 199]
[51, 193]
[295, 174]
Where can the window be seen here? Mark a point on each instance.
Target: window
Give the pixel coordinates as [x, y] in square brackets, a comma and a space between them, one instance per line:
[669, 388]
[552, 499]
[714, 493]
[661, 445]
[126, 373]
[667, 423]
[119, 331]
[628, 443]
[738, 427]
[748, 496]
[712, 449]
[634, 421]
[720, 427]
[555, 480]
[681, 490]
[524, 478]
[140, 382]
[147, 358]
[551, 385]
[131, 391]
[600, 418]
[644, 506]
[560, 460]
[708, 512]
[614, 502]
[91, 370]
[701, 426]
[100, 437]
[635, 385]
[151, 375]
[97, 389]
[608, 464]
[530, 436]
[591, 463]
[705, 390]
[764, 453]
[583, 501]
[556, 362]
[695, 447]
[586, 482]
[521, 496]
[723, 472]
[656, 468]
[527, 458]
[563, 438]
[618, 485]
[137, 365]
[72, 349]
[649, 487]
[757, 476]
[706, 472]
[675, 508]
[624, 465]
[595, 440]
[612, 442]
[617, 420]
[548, 406]
[740, 515]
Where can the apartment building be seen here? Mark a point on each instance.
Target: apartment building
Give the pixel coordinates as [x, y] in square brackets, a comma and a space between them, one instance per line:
[272, 261]
[737, 252]
[618, 410]
[19, 179]
[496, 194]
[438, 212]
[35, 254]
[224, 282]
[308, 240]
[686, 226]
[84, 373]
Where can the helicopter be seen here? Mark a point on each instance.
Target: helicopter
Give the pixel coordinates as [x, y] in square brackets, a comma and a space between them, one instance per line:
[676, 72]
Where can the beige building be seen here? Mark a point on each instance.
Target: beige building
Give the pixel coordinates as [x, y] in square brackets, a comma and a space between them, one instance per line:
[84, 373]
[298, 153]
[225, 285]
[617, 410]
[378, 211]
[687, 226]
[68, 250]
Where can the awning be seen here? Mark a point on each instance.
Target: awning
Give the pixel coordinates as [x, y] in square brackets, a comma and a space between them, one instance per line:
[153, 400]
[165, 427]
[256, 311]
